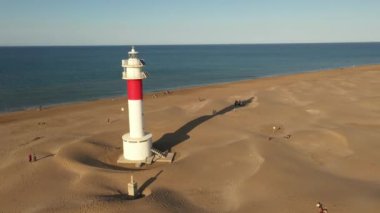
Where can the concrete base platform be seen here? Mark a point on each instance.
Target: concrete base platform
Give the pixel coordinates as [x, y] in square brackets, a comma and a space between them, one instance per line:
[150, 160]
[121, 159]
[168, 159]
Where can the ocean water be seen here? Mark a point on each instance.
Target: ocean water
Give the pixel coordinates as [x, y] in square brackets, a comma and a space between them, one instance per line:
[33, 76]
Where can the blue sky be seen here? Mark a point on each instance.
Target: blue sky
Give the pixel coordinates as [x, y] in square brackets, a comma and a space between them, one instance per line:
[114, 22]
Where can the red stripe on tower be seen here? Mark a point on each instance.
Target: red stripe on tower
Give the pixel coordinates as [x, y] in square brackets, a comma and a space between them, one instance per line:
[134, 88]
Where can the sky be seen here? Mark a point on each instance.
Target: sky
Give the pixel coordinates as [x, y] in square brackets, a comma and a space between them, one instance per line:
[139, 22]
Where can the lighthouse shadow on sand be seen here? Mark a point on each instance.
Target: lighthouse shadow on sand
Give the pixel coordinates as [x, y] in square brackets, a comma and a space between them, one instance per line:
[169, 140]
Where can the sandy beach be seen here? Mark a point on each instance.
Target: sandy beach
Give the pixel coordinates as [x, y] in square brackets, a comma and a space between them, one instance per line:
[325, 148]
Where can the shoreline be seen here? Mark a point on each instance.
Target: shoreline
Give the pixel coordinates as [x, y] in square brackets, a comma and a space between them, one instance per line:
[150, 93]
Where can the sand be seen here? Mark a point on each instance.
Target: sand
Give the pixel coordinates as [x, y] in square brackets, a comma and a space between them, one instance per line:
[325, 148]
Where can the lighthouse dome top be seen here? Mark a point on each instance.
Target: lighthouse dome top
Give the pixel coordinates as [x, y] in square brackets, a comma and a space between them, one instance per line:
[133, 51]
[133, 59]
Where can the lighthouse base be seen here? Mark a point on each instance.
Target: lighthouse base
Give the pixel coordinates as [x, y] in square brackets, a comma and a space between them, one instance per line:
[136, 149]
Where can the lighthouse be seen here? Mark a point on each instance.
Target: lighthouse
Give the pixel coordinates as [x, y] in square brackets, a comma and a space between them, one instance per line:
[137, 143]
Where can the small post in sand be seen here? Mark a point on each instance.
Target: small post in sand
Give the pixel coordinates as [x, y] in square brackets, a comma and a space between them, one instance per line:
[132, 188]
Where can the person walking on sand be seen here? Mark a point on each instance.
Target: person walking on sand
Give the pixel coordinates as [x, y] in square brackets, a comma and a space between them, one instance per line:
[30, 157]
[321, 208]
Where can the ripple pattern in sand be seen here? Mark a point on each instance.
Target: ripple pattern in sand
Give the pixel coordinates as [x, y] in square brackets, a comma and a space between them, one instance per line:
[321, 144]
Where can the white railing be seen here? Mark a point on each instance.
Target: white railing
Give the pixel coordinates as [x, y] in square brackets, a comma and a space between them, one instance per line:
[124, 63]
[140, 75]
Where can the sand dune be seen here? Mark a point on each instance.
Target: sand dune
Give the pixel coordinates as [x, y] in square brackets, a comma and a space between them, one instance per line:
[325, 148]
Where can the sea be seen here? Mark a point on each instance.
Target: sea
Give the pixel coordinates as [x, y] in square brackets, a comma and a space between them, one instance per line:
[43, 76]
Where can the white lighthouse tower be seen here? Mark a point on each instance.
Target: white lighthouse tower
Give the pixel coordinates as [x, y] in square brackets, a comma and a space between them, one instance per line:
[137, 144]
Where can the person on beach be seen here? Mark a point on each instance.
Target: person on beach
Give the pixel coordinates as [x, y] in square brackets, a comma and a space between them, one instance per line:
[30, 157]
[321, 208]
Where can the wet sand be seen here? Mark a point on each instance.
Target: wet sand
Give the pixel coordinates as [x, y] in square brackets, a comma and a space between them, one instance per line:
[325, 148]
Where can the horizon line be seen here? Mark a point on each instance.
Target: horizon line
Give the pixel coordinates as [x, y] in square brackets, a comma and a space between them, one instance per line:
[184, 44]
